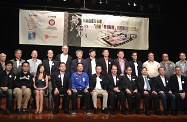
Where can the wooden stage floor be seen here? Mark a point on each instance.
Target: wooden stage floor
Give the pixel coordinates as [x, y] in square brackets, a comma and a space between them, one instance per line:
[80, 116]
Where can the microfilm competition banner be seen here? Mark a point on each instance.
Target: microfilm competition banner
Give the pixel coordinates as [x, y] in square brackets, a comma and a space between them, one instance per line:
[83, 30]
[41, 27]
[114, 32]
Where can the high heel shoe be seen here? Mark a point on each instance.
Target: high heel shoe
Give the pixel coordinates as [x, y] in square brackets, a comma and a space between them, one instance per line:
[40, 111]
[37, 111]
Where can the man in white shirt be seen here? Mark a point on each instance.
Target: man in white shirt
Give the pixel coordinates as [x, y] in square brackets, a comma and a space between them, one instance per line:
[98, 86]
[178, 83]
[151, 65]
[34, 62]
[65, 57]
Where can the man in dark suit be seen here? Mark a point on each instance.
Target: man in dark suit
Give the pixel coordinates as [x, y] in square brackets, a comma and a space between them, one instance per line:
[131, 90]
[135, 64]
[178, 83]
[79, 59]
[65, 57]
[106, 62]
[92, 62]
[121, 63]
[50, 66]
[164, 91]
[98, 86]
[147, 91]
[115, 85]
[61, 84]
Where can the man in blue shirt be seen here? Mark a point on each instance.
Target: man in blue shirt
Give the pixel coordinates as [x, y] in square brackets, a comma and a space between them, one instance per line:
[80, 84]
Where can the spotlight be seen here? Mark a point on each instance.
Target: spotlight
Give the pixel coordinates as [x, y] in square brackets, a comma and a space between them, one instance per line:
[106, 2]
[135, 4]
[100, 2]
[129, 4]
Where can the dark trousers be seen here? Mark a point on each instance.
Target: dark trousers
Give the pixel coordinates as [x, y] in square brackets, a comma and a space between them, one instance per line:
[8, 93]
[86, 96]
[148, 97]
[121, 97]
[134, 98]
[180, 104]
[168, 97]
[66, 99]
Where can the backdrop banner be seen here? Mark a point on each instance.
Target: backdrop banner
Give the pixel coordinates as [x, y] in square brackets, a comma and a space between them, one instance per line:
[83, 30]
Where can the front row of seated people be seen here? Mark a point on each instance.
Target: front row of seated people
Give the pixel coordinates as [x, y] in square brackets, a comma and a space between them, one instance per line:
[112, 87]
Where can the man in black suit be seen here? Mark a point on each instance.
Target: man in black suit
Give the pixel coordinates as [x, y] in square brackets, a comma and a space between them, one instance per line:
[147, 91]
[61, 84]
[121, 63]
[79, 59]
[92, 62]
[98, 86]
[135, 64]
[65, 57]
[164, 91]
[106, 62]
[115, 86]
[50, 66]
[131, 90]
[178, 83]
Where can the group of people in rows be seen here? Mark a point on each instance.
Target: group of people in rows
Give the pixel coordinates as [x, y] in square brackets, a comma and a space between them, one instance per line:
[126, 81]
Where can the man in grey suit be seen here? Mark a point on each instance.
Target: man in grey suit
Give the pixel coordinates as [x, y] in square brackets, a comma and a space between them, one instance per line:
[17, 61]
[182, 63]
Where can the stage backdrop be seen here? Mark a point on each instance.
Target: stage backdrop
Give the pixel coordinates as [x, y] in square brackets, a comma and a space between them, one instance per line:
[83, 30]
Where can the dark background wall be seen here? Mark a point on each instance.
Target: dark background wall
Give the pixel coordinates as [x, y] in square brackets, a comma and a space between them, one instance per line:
[166, 34]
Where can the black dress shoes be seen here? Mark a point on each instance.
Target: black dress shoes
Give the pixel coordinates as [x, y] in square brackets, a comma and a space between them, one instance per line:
[113, 112]
[173, 113]
[55, 111]
[105, 111]
[157, 112]
[95, 111]
[123, 112]
[147, 113]
[165, 112]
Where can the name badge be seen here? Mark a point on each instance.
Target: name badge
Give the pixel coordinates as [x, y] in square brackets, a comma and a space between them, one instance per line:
[117, 79]
[58, 76]
[109, 62]
[100, 79]
[83, 79]
[182, 81]
[42, 79]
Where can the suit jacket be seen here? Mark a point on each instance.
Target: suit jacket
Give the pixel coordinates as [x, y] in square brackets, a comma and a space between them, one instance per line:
[93, 81]
[159, 86]
[1, 68]
[126, 64]
[90, 65]
[74, 65]
[131, 64]
[110, 82]
[17, 69]
[103, 65]
[57, 82]
[130, 84]
[47, 67]
[140, 82]
[173, 81]
[68, 62]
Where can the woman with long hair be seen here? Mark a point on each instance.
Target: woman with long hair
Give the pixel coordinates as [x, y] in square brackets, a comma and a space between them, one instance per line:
[40, 86]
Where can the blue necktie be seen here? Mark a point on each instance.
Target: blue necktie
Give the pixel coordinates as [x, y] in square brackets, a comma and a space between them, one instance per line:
[147, 84]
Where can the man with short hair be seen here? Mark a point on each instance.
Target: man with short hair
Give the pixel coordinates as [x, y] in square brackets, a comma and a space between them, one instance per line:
[98, 86]
[6, 84]
[65, 57]
[23, 86]
[34, 62]
[80, 84]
